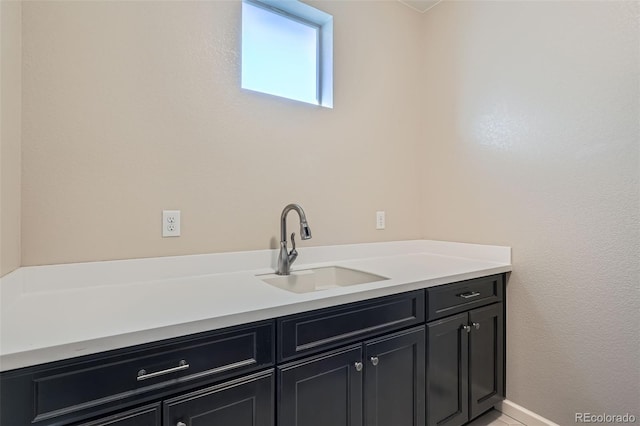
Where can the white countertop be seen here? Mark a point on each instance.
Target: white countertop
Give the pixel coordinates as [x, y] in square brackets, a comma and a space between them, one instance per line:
[49, 313]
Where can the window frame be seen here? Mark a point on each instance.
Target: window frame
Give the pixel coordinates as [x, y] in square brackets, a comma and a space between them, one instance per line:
[322, 22]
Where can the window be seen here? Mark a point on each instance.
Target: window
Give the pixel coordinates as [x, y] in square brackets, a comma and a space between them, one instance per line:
[287, 49]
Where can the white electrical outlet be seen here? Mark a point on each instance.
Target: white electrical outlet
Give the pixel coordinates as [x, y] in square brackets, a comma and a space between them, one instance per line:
[170, 223]
[380, 220]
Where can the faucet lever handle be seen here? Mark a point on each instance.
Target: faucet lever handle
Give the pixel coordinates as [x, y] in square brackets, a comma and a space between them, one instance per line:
[293, 254]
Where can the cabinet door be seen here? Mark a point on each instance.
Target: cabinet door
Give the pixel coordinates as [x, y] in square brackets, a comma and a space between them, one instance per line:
[247, 401]
[486, 358]
[394, 380]
[148, 415]
[322, 391]
[447, 371]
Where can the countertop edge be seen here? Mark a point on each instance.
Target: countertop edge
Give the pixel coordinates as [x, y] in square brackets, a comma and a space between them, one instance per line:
[30, 358]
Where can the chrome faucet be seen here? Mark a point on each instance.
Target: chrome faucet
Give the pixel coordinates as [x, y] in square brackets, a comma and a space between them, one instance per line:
[286, 259]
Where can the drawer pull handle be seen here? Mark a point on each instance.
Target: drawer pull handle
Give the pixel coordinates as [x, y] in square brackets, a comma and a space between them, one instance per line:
[143, 375]
[469, 295]
[467, 328]
[358, 366]
[374, 360]
[476, 325]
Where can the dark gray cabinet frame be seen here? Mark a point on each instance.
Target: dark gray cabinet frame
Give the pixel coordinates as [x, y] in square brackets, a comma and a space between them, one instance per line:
[466, 351]
[387, 389]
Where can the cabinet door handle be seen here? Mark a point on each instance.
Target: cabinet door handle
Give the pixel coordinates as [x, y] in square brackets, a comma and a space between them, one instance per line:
[374, 360]
[476, 325]
[143, 375]
[181, 424]
[358, 366]
[469, 295]
[466, 328]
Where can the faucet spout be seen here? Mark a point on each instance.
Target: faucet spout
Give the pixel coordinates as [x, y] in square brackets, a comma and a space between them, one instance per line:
[286, 258]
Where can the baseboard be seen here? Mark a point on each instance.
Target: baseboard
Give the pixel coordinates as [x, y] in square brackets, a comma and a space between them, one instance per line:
[523, 415]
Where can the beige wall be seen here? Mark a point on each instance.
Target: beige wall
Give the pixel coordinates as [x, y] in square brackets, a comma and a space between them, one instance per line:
[135, 107]
[10, 129]
[510, 123]
[532, 140]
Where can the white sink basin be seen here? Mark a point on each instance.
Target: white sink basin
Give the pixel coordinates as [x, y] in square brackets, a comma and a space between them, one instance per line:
[317, 279]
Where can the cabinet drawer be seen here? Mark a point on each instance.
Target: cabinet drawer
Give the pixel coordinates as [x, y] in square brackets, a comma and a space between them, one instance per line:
[323, 329]
[148, 415]
[450, 299]
[72, 390]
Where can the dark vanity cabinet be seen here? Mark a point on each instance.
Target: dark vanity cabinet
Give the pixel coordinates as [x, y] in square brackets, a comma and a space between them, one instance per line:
[465, 351]
[378, 381]
[424, 357]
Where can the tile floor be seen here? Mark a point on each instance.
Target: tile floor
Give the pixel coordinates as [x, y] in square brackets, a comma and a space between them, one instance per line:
[494, 418]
